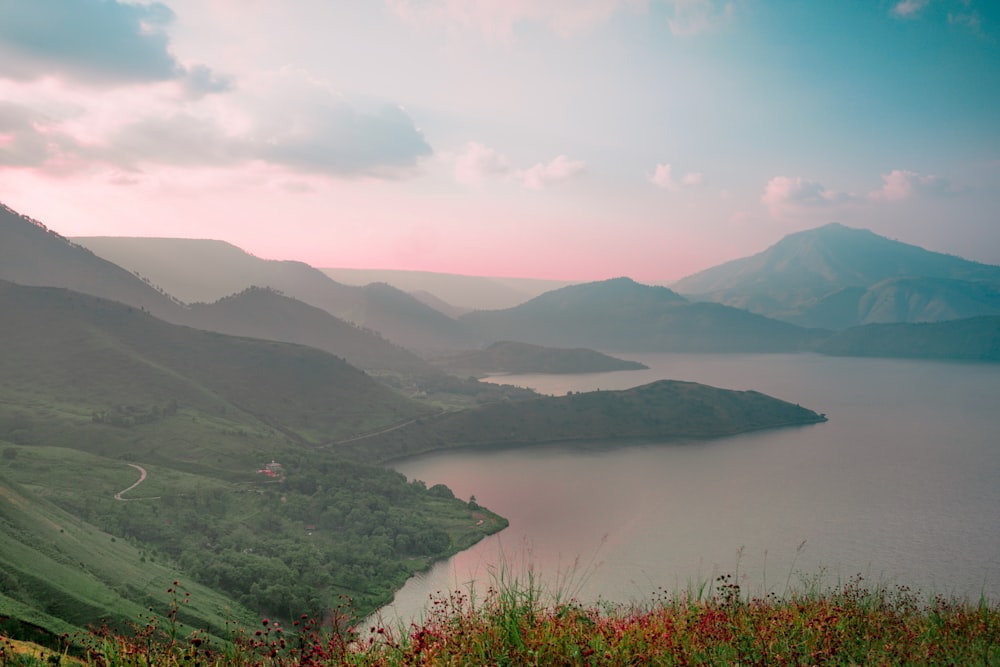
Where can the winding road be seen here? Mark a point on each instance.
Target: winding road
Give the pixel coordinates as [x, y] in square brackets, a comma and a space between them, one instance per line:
[142, 478]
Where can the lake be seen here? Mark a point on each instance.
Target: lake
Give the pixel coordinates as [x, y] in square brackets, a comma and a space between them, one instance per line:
[901, 486]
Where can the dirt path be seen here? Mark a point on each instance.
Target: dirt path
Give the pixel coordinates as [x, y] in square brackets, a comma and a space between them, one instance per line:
[142, 478]
[382, 432]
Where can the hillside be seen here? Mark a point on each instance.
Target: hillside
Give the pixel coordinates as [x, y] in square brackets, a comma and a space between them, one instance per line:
[512, 357]
[62, 573]
[621, 315]
[99, 353]
[664, 410]
[264, 313]
[796, 278]
[92, 386]
[198, 270]
[31, 254]
[973, 339]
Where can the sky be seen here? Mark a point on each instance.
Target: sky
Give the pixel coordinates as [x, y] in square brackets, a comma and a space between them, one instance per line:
[562, 139]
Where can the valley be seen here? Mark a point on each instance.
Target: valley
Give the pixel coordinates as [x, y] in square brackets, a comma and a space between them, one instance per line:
[106, 376]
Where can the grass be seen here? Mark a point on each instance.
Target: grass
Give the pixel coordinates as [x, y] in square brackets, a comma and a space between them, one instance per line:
[516, 622]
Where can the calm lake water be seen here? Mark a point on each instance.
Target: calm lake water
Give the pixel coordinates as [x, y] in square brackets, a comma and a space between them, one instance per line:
[902, 486]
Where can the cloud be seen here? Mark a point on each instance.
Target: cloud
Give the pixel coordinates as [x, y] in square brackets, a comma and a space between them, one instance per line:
[900, 184]
[970, 20]
[31, 139]
[497, 18]
[663, 178]
[96, 42]
[907, 9]
[693, 17]
[476, 162]
[200, 80]
[180, 139]
[335, 138]
[783, 194]
[560, 169]
[93, 41]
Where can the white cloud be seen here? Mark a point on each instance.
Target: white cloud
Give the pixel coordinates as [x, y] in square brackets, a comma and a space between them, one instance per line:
[663, 178]
[909, 8]
[783, 194]
[970, 20]
[476, 162]
[108, 42]
[561, 168]
[900, 184]
[693, 17]
[693, 178]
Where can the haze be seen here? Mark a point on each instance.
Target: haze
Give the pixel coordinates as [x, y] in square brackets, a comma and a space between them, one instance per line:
[576, 140]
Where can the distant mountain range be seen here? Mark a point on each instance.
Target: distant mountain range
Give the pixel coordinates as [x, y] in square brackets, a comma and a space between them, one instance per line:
[457, 292]
[837, 277]
[195, 270]
[622, 315]
[789, 298]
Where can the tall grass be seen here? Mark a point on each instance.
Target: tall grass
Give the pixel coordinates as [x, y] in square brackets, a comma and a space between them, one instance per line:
[516, 621]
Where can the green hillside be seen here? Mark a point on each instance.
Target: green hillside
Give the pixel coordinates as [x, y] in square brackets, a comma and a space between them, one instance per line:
[974, 339]
[513, 357]
[661, 410]
[62, 573]
[90, 387]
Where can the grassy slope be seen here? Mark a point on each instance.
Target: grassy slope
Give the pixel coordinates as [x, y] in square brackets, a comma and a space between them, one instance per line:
[62, 573]
[89, 385]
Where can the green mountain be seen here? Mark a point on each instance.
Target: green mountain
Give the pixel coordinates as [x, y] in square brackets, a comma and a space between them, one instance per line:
[197, 270]
[974, 339]
[835, 276]
[89, 387]
[264, 313]
[512, 357]
[625, 316]
[661, 410]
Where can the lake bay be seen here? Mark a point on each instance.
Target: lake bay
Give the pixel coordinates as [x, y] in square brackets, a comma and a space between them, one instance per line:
[901, 486]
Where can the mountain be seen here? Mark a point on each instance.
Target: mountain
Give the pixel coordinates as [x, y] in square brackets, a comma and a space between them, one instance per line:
[905, 299]
[666, 409]
[973, 339]
[92, 352]
[196, 270]
[31, 254]
[462, 292]
[512, 357]
[94, 392]
[264, 313]
[821, 277]
[625, 316]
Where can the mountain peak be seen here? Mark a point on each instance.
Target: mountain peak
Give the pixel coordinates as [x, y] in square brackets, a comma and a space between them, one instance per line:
[808, 266]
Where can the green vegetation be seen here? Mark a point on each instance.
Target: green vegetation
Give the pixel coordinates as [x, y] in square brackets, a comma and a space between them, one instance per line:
[516, 623]
[91, 387]
[974, 339]
[513, 357]
[667, 409]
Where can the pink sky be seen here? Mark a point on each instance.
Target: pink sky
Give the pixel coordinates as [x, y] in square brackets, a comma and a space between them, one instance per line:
[578, 140]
